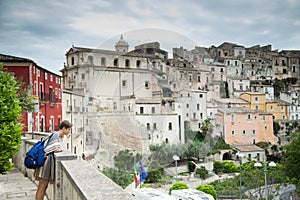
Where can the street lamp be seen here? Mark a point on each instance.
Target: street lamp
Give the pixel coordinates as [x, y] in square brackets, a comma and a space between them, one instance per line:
[176, 158]
[240, 159]
[271, 164]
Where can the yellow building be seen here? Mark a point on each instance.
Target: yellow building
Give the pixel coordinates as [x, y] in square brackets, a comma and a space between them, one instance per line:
[279, 109]
[258, 101]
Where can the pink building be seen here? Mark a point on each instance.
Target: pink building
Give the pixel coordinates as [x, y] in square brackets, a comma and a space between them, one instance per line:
[245, 126]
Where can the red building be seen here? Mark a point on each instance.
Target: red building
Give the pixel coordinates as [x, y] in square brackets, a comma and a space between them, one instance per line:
[45, 86]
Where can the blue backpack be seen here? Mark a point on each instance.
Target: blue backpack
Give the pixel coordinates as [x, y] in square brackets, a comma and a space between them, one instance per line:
[35, 157]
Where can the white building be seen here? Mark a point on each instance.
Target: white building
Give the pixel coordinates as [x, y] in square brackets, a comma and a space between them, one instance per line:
[191, 108]
[73, 110]
[162, 123]
[293, 98]
[237, 85]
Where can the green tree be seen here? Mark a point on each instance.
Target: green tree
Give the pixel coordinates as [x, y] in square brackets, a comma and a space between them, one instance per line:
[206, 127]
[191, 166]
[209, 189]
[202, 172]
[155, 172]
[124, 160]
[122, 178]
[26, 100]
[178, 186]
[291, 160]
[10, 114]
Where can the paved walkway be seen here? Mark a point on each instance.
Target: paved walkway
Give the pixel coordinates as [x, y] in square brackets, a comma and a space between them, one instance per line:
[14, 185]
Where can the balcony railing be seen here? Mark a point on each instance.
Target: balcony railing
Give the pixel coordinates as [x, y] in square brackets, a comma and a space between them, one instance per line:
[46, 97]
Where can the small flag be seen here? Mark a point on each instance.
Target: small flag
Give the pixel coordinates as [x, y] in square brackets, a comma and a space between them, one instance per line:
[143, 173]
[136, 180]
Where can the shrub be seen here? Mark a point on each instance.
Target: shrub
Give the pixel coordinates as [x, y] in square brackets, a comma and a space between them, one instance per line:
[209, 189]
[218, 167]
[202, 172]
[225, 167]
[229, 167]
[178, 186]
[191, 166]
[155, 172]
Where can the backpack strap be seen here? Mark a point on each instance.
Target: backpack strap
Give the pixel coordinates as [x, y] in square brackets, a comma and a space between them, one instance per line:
[48, 139]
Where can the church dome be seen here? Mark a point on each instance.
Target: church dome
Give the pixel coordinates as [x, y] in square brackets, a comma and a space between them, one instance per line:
[122, 42]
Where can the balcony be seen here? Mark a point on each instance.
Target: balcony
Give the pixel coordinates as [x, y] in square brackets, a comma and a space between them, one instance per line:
[46, 97]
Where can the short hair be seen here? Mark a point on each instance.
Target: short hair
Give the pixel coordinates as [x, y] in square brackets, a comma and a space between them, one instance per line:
[65, 124]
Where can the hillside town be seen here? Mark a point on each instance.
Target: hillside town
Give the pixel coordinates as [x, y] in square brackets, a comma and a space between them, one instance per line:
[136, 98]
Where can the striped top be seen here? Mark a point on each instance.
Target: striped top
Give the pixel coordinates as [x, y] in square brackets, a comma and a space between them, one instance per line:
[53, 144]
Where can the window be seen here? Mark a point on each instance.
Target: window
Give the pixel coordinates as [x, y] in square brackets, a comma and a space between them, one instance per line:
[51, 94]
[170, 125]
[189, 95]
[127, 63]
[141, 110]
[187, 105]
[154, 126]
[147, 84]
[256, 99]
[82, 76]
[244, 132]
[148, 126]
[199, 78]
[249, 117]
[282, 108]
[253, 132]
[256, 107]
[51, 78]
[264, 117]
[103, 61]
[72, 61]
[181, 76]
[232, 118]
[90, 60]
[124, 83]
[138, 63]
[190, 78]
[41, 91]
[153, 110]
[46, 76]
[266, 127]
[198, 106]
[116, 62]
[200, 95]
[271, 108]
[201, 115]
[232, 132]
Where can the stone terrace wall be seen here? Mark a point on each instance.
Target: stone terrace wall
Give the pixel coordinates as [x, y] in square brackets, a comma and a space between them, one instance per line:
[75, 179]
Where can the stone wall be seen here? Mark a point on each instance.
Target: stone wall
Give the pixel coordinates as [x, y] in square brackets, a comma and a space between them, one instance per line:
[75, 179]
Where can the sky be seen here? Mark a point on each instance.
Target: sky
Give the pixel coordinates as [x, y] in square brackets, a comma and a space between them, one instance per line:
[44, 31]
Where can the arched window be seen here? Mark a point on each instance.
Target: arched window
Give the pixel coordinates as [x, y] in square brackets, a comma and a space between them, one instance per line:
[72, 61]
[138, 63]
[116, 62]
[127, 63]
[103, 61]
[90, 60]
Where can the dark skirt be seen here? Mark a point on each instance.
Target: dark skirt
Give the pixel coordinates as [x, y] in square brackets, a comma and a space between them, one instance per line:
[47, 171]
